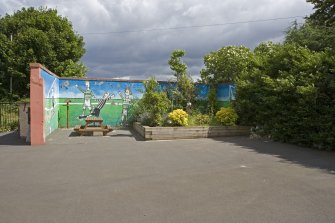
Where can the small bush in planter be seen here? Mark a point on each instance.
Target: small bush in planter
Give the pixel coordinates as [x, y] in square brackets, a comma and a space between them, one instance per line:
[226, 116]
[153, 105]
[201, 119]
[178, 117]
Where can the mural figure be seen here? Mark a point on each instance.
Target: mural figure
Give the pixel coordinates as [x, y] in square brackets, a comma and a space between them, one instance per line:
[51, 104]
[88, 95]
[52, 100]
[126, 97]
[94, 98]
[232, 91]
[65, 85]
[96, 111]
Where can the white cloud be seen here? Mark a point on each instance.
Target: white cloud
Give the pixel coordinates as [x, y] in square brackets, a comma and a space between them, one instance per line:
[140, 54]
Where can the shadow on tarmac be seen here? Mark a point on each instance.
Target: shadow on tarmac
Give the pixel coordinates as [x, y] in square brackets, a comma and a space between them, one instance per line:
[120, 132]
[324, 160]
[12, 139]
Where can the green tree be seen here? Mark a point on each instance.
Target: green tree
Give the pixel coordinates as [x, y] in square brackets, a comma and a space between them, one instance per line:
[313, 36]
[226, 65]
[176, 64]
[3, 63]
[324, 12]
[154, 104]
[289, 95]
[184, 92]
[38, 35]
[318, 33]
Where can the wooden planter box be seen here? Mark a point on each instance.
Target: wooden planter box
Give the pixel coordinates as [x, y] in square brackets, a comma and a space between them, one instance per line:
[159, 133]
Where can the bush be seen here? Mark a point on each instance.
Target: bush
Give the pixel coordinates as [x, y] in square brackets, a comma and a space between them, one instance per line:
[178, 117]
[153, 105]
[289, 95]
[201, 119]
[226, 116]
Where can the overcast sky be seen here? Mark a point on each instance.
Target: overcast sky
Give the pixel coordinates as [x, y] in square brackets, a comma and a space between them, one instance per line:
[132, 39]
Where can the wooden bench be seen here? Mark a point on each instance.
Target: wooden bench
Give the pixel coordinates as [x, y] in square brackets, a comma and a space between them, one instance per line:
[89, 130]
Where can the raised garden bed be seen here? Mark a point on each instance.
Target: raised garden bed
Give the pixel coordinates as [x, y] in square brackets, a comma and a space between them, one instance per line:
[159, 133]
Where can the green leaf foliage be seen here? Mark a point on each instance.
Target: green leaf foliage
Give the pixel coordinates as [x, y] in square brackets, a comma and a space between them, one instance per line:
[178, 117]
[42, 36]
[154, 104]
[312, 36]
[176, 64]
[201, 119]
[289, 95]
[184, 91]
[324, 13]
[226, 116]
[226, 65]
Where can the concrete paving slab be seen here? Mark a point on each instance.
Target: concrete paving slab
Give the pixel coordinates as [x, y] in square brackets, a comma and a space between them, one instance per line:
[119, 178]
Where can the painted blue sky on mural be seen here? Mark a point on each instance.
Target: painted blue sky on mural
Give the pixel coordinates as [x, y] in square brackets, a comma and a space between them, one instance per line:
[69, 88]
[51, 85]
[226, 92]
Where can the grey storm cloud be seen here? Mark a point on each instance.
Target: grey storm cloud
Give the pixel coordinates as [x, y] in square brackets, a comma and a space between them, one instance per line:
[134, 38]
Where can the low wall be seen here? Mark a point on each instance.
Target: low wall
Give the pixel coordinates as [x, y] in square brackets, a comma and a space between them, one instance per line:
[159, 133]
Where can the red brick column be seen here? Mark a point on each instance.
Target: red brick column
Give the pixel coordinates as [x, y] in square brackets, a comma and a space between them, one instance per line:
[37, 135]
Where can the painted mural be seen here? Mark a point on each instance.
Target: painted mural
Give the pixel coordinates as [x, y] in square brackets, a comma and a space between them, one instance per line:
[225, 94]
[67, 102]
[113, 100]
[51, 102]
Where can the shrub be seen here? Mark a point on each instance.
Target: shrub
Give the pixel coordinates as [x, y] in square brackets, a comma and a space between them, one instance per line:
[290, 95]
[179, 117]
[226, 116]
[153, 105]
[184, 90]
[201, 119]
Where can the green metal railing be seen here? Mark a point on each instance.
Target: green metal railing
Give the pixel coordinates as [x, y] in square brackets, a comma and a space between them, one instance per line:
[9, 116]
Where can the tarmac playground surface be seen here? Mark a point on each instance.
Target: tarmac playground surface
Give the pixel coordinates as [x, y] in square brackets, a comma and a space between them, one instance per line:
[119, 178]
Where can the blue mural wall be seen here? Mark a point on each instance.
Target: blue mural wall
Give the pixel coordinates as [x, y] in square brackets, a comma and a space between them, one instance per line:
[51, 101]
[68, 101]
[226, 92]
[112, 100]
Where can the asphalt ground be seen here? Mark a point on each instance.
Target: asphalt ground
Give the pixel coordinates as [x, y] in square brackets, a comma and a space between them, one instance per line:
[119, 178]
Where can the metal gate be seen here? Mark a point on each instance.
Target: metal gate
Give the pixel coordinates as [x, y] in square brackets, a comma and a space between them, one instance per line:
[9, 116]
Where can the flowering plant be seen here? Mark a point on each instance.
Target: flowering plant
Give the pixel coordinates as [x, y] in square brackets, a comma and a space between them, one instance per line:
[178, 117]
[226, 116]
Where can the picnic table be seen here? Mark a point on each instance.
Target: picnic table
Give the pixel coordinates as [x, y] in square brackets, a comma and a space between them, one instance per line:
[93, 124]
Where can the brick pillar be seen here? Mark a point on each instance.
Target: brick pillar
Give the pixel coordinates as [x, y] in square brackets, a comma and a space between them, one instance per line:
[37, 135]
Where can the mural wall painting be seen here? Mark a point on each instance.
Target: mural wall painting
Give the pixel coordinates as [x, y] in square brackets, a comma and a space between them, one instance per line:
[111, 100]
[126, 99]
[88, 97]
[67, 102]
[51, 105]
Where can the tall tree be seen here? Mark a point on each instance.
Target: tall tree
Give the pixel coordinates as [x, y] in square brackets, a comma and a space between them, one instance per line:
[312, 36]
[38, 35]
[185, 91]
[227, 64]
[324, 12]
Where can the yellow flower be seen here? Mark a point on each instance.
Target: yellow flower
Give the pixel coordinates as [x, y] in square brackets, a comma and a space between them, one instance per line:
[179, 117]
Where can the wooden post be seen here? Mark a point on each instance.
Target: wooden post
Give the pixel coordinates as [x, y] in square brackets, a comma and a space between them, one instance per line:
[67, 113]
